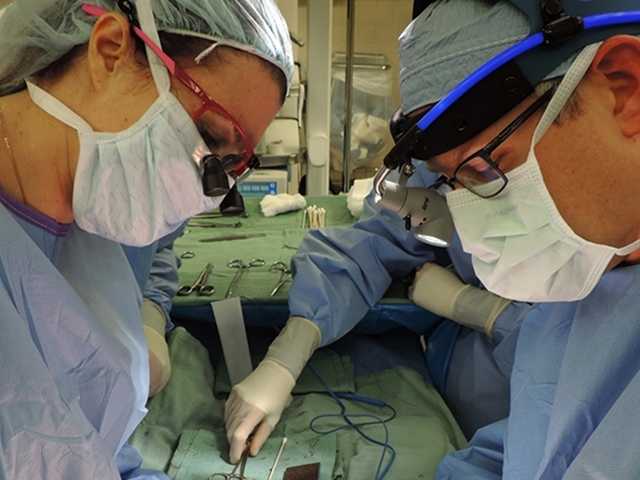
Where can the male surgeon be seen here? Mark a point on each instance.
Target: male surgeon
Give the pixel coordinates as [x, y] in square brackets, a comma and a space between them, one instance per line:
[542, 180]
[341, 273]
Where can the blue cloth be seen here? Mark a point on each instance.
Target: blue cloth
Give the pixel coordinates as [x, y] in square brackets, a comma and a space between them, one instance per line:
[481, 462]
[129, 464]
[574, 392]
[477, 378]
[342, 273]
[75, 371]
[156, 270]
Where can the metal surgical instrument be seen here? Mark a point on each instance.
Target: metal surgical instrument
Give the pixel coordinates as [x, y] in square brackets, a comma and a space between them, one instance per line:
[241, 267]
[277, 460]
[215, 225]
[188, 255]
[220, 215]
[200, 285]
[227, 238]
[285, 276]
[235, 474]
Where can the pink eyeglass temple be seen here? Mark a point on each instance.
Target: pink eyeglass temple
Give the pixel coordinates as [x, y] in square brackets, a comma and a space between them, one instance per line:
[207, 102]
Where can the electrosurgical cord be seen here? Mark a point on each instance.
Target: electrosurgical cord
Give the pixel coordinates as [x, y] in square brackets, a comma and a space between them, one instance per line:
[347, 417]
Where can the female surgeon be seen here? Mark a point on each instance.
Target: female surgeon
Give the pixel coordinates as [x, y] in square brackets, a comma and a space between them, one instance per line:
[108, 113]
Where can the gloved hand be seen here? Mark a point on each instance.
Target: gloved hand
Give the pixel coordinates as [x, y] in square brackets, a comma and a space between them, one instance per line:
[256, 404]
[159, 361]
[440, 291]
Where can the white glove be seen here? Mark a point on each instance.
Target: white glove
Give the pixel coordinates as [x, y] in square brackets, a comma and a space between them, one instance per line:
[440, 291]
[256, 404]
[159, 361]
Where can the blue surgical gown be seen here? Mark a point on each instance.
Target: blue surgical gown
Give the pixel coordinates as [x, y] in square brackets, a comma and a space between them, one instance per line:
[341, 273]
[575, 388]
[156, 270]
[75, 369]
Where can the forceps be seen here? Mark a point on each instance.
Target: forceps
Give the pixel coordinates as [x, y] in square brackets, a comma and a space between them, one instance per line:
[241, 267]
[285, 275]
[235, 474]
[215, 225]
[200, 285]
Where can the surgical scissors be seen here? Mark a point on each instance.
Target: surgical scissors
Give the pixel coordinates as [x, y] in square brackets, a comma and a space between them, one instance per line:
[200, 285]
[285, 275]
[241, 267]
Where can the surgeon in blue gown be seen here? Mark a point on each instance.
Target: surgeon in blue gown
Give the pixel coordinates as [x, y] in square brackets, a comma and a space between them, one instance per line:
[562, 241]
[100, 148]
[156, 270]
[341, 273]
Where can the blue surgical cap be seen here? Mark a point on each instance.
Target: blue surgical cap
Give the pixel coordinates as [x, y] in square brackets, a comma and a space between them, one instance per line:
[36, 33]
[450, 40]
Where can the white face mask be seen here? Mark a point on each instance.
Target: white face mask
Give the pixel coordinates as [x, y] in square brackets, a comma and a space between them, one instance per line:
[136, 186]
[521, 247]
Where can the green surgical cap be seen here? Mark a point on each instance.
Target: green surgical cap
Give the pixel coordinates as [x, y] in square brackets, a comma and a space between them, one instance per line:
[450, 40]
[36, 33]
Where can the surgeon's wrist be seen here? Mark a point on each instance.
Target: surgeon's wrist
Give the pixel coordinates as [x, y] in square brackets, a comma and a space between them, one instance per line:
[499, 306]
[295, 345]
[153, 316]
[159, 360]
[276, 378]
[436, 289]
[478, 309]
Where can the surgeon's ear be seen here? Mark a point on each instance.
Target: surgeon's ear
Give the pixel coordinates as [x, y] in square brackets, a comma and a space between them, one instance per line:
[618, 60]
[111, 51]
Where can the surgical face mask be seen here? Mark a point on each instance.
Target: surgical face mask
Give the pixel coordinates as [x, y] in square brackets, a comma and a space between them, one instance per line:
[521, 247]
[136, 186]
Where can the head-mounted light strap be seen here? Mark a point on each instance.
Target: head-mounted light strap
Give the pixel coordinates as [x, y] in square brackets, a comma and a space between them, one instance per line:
[507, 79]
